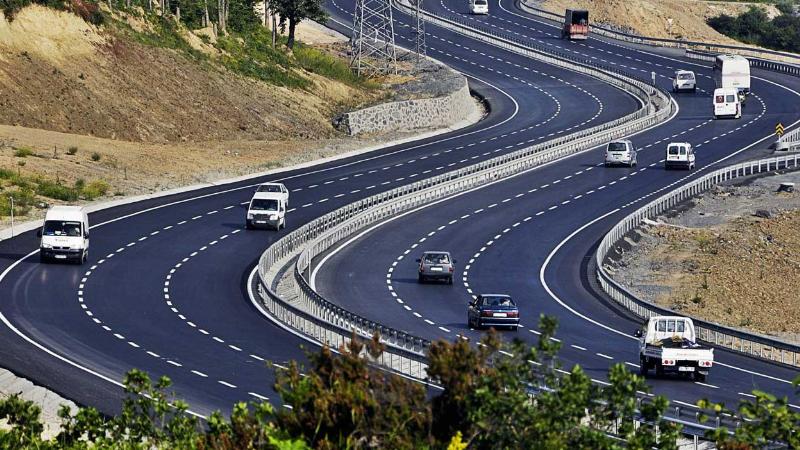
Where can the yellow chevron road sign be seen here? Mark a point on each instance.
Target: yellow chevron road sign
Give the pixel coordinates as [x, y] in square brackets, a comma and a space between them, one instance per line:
[779, 129]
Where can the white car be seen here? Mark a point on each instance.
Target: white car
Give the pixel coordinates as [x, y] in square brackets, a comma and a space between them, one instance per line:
[679, 154]
[275, 188]
[684, 80]
[266, 209]
[479, 6]
[620, 152]
[64, 235]
[727, 103]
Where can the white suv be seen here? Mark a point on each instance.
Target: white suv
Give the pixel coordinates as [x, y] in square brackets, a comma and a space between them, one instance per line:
[266, 209]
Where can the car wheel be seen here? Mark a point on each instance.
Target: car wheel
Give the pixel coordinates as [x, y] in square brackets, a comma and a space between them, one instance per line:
[43, 259]
[84, 257]
[514, 328]
[450, 281]
[248, 225]
[643, 367]
[694, 89]
[659, 370]
[420, 278]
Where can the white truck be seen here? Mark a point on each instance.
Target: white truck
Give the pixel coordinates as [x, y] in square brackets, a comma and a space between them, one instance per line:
[733, 71]
[668, 345]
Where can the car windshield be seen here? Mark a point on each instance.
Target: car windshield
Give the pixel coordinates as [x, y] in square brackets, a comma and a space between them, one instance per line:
[498, 302]
[261, 204]
[61, 228]
[617, 147]
[480, 2]
[269, 188]
[437, 258]
[686, 76]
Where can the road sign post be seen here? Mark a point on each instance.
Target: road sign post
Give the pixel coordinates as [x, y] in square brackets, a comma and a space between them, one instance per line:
[779, 129]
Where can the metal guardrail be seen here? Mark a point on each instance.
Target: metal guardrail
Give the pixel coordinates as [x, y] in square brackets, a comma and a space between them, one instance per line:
[751, 344]
[765, 55]
[325, 322]
[789, 142]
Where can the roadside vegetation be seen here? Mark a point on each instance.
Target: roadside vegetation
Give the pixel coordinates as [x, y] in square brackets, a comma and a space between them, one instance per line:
[756, 28]
[486, 401]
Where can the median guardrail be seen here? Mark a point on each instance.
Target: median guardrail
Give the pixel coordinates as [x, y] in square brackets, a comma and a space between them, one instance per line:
[329, 324]
[765, 58]
[751, 344]
[789, 142]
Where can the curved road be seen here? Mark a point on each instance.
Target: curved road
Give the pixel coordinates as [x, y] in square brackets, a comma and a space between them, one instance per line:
[164, 290]
[532, 236]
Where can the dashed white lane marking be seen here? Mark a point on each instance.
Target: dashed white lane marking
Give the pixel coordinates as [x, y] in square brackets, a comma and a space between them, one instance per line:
[603, 355]
[578, 347]
[199, 374]
[225, 383]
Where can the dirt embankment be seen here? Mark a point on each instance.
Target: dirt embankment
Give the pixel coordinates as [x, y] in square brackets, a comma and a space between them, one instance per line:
[674, 19]
[732, 258]
[59, 73]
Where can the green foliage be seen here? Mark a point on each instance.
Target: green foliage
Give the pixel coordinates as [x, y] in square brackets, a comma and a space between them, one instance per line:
[767, 420]
[96, 188]
[86, 9]
[324, 64]
[72, 150]
[57, 191]
[23, 152]
[253, 56]
[754, 27]
[292, 12]
[343, 403]
[514, 399]
[96, 156]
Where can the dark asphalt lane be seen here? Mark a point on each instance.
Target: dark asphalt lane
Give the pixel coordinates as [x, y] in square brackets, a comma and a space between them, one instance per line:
[117, 317]
[566, 195]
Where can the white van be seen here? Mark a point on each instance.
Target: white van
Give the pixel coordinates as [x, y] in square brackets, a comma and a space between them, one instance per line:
[732, 71]
[266, 209]
[478, 6]
[64, 235]
[684, 80]
[679, 154]
[726, 103]
[620, 152]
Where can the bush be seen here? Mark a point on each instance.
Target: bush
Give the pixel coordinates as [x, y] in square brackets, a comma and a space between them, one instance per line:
[56, 191]
[23, 152]
[321, 63]
[96, 188]
[96, 156]
[755, 28]
[72, 150]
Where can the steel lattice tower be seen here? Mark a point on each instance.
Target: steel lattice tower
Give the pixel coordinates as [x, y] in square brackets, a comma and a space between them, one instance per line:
[373, 50]
[419, 30]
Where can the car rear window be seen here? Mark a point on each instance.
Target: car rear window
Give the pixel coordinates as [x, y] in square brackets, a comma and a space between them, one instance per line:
[269, 188]
[686, 76]
[719, 99]
[437, 258]
[730, 98]
[617, 147]
[499, 302]
[676, 150]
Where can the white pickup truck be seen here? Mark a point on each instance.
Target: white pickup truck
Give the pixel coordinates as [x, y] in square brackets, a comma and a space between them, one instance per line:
[668, 345]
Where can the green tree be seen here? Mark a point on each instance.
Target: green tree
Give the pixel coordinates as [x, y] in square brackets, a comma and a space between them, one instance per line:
[343, 402]
[292, 12]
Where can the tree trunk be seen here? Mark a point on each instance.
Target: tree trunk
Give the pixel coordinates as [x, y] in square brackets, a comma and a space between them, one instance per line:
[274, 29]
[206, 21]
[290, 39]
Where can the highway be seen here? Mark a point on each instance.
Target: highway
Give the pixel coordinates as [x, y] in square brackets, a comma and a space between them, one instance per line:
[164, 289]
[532, 236]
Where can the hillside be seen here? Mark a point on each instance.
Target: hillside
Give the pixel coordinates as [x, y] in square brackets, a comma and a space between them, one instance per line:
[651, 17]
[141, 104]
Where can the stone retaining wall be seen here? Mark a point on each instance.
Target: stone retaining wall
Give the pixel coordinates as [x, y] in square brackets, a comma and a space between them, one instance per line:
[445, 100]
